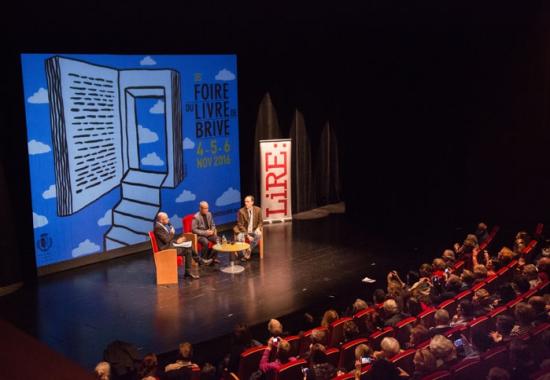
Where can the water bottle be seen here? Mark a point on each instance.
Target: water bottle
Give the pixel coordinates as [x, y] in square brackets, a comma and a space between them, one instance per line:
[224, 240]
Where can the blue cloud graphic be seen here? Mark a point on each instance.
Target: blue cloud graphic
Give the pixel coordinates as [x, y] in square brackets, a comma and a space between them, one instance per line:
[225, 74]
[85, 247]
[147, 61]
[38, 220]
[37, 147]
[50, 193]
[228, 197]
[186, 196]
[39, 97]
[158, 108]
[188, 143]
[106, 219]
[152, 159]
[146, 136]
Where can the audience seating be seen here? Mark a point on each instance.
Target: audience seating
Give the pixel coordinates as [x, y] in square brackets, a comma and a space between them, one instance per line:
[376, 337]
[404, 360]
[360, 318]
[495, 357]
[333, 355]
[188, 229]
[465, 295]
[294, 341]
[439, 375]
[427, 317]
[250, 361]
[347, 353]
[450, 306]
[291, 370]
[306, 341]
[336, 331]
[480, 323]
[403, 329]
[467, 369]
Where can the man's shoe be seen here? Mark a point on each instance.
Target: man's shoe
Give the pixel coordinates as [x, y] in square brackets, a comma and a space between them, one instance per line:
[216, 261]
[206, 261]
[247, 254]
[193, 276]
[368, 280]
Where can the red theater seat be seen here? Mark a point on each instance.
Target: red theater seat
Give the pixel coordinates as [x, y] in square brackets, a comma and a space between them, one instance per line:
[439, 375]
[336, 331]
[404, 360]
[467, 369]
[155, 247]
[250, 361]
[333, 355]
[403, 330]
[291, 370]
[376, 337]
[427, 317]
[360, 318]
[347, 353]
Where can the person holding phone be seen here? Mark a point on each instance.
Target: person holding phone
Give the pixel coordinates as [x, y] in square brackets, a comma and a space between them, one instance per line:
[282, 355]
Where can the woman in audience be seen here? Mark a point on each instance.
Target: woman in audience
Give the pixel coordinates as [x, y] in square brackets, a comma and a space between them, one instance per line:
[419, 334]
[482, 302]
[480, 273]
[532, 275]
[282, 356]
[149, 367]
[275, 328]
[241, 341]
[444, 352]
[358, 305]
[504, 326]
[364, 353]
[467, 278]
[330, 316]
[389, 348]
[319, 367]
[524, 315]
[184, 361]
[504, 257]
[539, 306]
[464, 313]
[424, 363]
[351, 332]
[102, 371]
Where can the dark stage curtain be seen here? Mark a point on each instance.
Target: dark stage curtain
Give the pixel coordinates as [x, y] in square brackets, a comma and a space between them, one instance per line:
[328, 185]
[302, 189]
[267, 127]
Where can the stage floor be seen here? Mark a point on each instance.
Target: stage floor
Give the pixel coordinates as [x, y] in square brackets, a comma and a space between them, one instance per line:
[308, 265]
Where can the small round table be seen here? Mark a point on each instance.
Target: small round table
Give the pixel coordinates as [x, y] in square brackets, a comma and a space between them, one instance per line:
[232, 248]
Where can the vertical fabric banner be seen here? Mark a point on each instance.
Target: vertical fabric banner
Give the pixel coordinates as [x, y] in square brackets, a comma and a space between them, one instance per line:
[275, 174]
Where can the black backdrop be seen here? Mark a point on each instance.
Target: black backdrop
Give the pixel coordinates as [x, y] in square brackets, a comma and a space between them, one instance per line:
[440, 107]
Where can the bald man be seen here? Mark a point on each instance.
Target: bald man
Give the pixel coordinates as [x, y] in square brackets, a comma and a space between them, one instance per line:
[165, 234]
[204, 227]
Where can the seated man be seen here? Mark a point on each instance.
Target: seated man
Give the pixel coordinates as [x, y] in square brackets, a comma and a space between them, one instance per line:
[249, 224]
[204, 227]
[165, 234]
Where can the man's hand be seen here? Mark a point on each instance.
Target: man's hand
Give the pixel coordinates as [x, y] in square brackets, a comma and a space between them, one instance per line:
[181, 239]
[209, 232]
[172, 230]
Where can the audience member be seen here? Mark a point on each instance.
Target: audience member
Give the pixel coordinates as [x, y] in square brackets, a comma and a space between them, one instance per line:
[441, 318]
[319, 366]
[102, 371]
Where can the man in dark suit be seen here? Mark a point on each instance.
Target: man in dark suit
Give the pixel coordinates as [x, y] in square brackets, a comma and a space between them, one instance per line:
[204, 227]
[249, 224]
[165, 234]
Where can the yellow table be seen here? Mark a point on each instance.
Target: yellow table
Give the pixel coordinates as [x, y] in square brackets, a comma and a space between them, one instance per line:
[232, 249]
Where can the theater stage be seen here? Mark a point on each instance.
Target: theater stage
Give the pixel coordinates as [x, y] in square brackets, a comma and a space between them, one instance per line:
[309, 265]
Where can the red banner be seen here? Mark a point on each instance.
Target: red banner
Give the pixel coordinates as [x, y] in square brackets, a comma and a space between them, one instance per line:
[276, 179]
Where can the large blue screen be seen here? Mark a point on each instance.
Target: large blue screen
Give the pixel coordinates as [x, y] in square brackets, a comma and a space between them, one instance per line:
[113, 139]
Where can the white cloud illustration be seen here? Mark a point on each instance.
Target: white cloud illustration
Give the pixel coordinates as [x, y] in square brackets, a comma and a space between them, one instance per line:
[152, 159]
[106, 219]
[146, 135]
[225, 74]
[85, 247]
[37, 147]
[50, 193]
[188, 143]
[229, 196]
[39, 97]
[38, 220]
[158, 108]
[147, 61]
[175, 220]
[186, 196]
